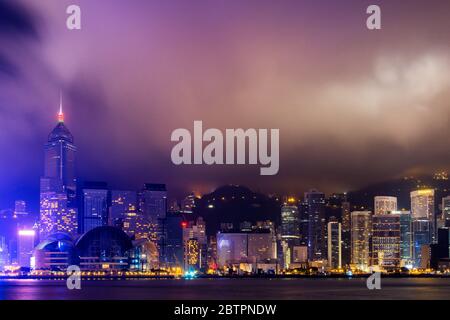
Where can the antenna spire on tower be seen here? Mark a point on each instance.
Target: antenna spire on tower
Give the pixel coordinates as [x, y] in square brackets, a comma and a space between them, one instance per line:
[60, 114]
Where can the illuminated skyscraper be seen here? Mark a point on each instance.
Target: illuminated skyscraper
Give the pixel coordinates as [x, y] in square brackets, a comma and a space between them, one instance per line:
[25, 244]
[361, 231]
[196, 231]
[384, 205]
[346, 219]
[334, 245]
[421, 240]
[422, 207]
[121, 201]
[191, 255]
[55, 214]
[20, 208]
[60, 157]
[290, 230]
[290, 224]
[446, 211]
[4, 253]
[422, 204]
[315, 202]
[58, 211]
[386, 237]
[346, 233]
[129, 222]
[188, 204]
[406, 238]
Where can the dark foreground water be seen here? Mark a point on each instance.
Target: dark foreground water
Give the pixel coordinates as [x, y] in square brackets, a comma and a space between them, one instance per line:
[227, 289]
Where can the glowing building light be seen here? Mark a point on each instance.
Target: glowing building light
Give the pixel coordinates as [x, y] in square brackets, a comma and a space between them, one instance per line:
[27, 233]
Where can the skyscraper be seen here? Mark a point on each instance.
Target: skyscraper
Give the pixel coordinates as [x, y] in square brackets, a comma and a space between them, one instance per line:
[346, 219]
[196, 231]
[315, 202]
[289, 230]
[422, 207]
[441, 249]
[421, 240]
[290, 224]
[334, 245]
[25, 244]
[360, 235]
[58, 211]
[406, 238]
[386, 237]
[153, 202]
[191, 255]
[4, 253]
[446, 211]
[93, 211]
[384, 204]
[60, 157]
[55, 213]
[171, 240]
[121, 201]
[188, 204]
[346, 233]
[20, 208]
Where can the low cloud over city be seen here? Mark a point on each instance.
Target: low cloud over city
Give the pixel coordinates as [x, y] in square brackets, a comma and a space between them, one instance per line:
[353, 106]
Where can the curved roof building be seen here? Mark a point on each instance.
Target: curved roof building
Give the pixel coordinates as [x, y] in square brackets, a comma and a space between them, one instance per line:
[56, 252]
[104, 248]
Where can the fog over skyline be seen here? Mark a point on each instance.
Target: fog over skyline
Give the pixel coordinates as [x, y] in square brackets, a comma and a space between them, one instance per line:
[353, 106]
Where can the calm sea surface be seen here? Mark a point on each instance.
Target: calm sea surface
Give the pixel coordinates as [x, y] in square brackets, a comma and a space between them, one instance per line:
[227, 289]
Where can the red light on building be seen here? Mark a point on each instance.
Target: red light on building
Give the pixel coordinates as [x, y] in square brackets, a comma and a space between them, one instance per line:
[184, 224]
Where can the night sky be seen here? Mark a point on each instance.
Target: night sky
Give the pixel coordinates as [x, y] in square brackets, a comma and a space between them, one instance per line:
[353, 106]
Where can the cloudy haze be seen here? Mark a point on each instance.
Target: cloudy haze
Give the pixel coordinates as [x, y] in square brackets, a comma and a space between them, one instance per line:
[353, 106]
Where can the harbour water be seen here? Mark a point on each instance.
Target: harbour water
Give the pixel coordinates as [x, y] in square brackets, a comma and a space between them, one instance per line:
[228, 289]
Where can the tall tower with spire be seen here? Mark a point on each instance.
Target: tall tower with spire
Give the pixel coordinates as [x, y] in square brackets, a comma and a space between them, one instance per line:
[60, 153]
[58, 211]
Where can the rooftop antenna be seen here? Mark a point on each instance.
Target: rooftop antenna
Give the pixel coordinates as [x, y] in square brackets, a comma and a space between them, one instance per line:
[60, 114]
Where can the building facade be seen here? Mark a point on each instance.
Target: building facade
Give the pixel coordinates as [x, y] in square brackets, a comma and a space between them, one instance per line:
[386, 236]
[422, 208]
[94, 206]
[334, 245]
[361, 225]
[384, 205]
[315, 202]
[58, 207]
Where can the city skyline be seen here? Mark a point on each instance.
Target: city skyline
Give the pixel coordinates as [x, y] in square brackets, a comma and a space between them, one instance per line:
[108, 234]
[360, 107]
